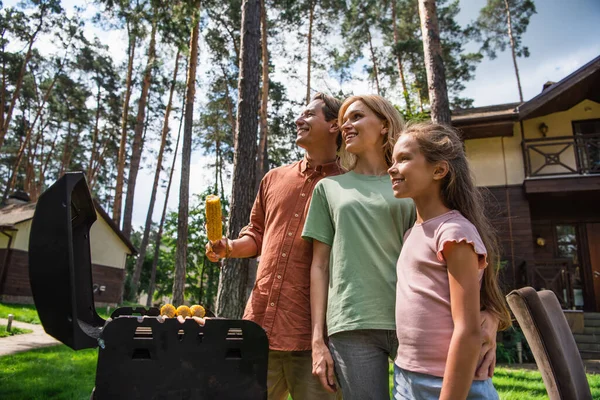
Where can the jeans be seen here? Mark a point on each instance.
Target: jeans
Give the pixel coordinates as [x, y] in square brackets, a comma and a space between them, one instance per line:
[362, 360]
[415, 386]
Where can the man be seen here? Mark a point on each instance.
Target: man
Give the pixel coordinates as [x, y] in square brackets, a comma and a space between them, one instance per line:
[280, 300]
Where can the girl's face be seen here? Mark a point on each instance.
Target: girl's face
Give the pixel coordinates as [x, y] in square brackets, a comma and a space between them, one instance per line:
[412, 175]
[362, 130]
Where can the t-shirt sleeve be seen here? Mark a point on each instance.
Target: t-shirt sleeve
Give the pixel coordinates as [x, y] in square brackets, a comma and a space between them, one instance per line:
[458, 231]
[319, 222]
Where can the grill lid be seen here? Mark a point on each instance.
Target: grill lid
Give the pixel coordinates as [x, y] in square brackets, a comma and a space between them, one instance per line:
[60, 266]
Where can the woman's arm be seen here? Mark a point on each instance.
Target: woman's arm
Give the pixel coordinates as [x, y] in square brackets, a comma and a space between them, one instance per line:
[487, 354]
[465, 344]
[319, 283]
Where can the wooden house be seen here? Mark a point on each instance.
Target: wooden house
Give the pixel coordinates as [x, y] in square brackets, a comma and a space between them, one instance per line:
[540, 161]
[109, 251]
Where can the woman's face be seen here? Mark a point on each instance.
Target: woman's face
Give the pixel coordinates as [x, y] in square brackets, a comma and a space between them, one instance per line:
[362, 130]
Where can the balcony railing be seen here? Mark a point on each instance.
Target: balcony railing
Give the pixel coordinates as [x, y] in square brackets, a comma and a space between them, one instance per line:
[563, 155]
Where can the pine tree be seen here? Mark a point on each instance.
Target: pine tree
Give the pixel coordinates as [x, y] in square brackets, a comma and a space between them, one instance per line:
[502, 23]
[434, 64]
[231, 296]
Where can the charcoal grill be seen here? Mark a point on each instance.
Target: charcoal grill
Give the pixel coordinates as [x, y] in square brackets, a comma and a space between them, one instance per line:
[141, 355]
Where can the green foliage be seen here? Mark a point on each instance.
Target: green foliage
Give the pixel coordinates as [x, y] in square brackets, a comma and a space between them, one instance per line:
[506, 351]
[202, 276]
[22, 312]
[55, 372]
[14, 331]
[491, 27]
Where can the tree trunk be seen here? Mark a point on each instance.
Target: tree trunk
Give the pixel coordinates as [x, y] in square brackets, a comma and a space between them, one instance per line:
[512, 47]
[13, 178]
[374, 60]
[231, 296]
[163, 141]
[309, 56]
[434, 64]
[164, 213]
[186, 154]
[229, 105]
[399, 60]
[138, 145]
[94, 136]
[123, 143]
[18, 84]
[264, 96]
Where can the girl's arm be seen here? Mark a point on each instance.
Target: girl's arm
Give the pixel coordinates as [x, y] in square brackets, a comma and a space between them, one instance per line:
[464, 349]
[319, 281]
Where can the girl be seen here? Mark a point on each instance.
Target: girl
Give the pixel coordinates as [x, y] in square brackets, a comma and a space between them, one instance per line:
[355, 221]
[443, 281]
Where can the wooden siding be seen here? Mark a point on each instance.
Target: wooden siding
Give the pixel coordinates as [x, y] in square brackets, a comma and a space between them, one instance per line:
[514, 232]
[15, 282]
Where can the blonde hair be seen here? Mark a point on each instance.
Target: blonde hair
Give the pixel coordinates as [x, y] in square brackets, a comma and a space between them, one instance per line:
[441, 143]
[386, 112]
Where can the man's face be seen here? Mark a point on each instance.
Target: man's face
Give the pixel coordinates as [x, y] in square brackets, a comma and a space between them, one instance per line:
[311, 127]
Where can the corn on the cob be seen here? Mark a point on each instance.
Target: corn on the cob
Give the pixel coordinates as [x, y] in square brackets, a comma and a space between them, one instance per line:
[214, 223]
[198, 311]
[184, 311]
[168, 310]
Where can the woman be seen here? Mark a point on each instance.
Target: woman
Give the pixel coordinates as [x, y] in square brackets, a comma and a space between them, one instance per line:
[355, 221]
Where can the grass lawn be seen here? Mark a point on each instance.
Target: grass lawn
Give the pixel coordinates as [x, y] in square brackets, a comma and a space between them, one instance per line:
[22, 312]
[13, 331]
[49, 373]
[61, 373]
[28, 313]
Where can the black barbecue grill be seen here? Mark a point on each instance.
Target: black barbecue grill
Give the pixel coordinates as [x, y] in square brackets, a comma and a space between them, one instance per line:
[141, 354]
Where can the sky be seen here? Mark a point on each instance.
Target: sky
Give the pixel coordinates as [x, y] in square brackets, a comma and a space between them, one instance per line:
[562, 37]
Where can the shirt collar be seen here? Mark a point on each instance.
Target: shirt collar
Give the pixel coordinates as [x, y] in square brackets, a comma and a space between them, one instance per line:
[328, 168]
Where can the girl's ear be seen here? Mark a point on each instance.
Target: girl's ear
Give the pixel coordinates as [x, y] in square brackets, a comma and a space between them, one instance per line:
[441, 170]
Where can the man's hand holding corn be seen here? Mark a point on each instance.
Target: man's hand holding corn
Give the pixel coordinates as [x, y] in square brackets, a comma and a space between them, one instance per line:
[217, 247]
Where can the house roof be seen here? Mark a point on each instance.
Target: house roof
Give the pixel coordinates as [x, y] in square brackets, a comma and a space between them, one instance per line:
[497, 120]
[568, 92]
[13, 214]
[482, 114]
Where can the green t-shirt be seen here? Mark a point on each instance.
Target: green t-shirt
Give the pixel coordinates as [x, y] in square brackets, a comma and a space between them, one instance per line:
[359, 217]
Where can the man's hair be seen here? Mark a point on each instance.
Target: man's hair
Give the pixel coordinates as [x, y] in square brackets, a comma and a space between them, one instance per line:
[331, 109]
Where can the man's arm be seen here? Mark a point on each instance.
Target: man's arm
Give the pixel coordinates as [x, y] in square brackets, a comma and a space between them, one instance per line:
[243, 247]
[250, 241]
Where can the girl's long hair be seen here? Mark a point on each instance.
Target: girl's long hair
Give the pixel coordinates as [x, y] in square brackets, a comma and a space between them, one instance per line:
[386, 112]
[439, 143]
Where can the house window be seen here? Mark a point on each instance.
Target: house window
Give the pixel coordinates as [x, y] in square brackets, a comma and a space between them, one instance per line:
[567, 247]
[566, 241]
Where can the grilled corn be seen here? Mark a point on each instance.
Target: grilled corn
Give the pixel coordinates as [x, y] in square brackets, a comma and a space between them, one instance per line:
[214, 223]
[184, 311]
[168, 310]
[198, 311]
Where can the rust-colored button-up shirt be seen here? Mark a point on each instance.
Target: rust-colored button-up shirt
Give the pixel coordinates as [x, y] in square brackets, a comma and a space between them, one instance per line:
[280, 299]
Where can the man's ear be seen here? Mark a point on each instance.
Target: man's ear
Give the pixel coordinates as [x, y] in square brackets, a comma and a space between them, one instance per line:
[441, 170]
[334, 127]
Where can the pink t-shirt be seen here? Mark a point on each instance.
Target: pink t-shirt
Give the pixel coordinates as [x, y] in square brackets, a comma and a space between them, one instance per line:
[423, 315]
